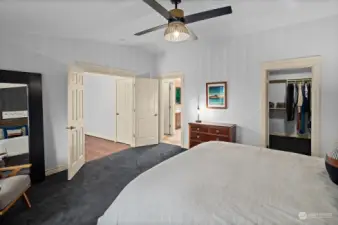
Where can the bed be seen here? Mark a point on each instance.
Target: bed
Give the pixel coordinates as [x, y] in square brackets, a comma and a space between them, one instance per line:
[226, 183]
[15, 146]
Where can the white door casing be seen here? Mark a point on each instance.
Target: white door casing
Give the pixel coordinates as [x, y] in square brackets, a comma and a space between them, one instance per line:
[76, 143]
[172, 108]
[146, 111]
[124, 111]
[314, 63]
[166, 107]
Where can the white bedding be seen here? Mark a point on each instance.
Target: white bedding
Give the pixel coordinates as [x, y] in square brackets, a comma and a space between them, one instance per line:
[225, 183]
[14, 146]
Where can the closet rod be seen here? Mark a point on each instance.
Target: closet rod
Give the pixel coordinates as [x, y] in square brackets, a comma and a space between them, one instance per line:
[289, 80]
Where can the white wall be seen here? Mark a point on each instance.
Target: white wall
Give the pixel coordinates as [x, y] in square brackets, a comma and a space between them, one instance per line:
[100, 105]
[51, 58]
[238, 61]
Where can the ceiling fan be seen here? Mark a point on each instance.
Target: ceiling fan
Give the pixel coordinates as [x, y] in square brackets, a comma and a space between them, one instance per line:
[176, 31]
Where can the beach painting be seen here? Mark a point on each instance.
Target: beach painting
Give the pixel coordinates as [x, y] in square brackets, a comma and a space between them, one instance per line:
[217, 95]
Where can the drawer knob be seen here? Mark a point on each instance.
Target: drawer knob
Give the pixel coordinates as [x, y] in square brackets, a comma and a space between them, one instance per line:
[217, 131]
[198, 128]
[198, 136]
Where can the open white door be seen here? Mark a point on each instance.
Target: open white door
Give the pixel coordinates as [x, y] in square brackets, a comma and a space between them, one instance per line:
[166, 106]
[76, 143]
[146, 111]
[124, 111]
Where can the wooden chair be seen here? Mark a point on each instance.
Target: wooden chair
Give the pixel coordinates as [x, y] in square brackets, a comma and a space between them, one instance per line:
[13, 187]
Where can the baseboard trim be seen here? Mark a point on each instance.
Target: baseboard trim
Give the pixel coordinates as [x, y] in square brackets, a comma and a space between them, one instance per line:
[55, 170]
[99, 136]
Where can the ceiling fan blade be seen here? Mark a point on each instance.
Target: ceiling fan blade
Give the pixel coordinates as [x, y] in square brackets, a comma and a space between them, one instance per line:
[151, 30]
[208, 14]
[158, 8]
[193, 36]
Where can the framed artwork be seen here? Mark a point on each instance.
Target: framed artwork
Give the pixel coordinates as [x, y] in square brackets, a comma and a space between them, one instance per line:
[216, 95]
[178, 96]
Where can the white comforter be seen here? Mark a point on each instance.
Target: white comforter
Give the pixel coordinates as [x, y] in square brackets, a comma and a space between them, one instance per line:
[224, 183]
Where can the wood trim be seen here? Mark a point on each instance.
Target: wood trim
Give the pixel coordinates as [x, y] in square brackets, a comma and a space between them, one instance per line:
[225, 83]
[314, 63]
[27, 200]
[35, 112]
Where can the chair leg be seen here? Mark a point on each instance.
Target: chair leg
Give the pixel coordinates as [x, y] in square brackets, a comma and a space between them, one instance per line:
[27, 200]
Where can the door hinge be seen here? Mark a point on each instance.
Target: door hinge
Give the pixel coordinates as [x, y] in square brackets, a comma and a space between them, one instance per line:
[133, 135]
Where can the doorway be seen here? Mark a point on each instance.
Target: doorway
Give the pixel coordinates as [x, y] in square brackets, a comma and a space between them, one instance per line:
[143, 97]
[107, 114]
[172, 109]
[271, 128]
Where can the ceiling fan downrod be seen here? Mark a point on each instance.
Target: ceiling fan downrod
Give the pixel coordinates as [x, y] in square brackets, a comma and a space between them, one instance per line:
[176, 2]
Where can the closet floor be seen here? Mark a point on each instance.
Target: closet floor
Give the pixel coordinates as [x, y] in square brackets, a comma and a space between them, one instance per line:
[97, 148]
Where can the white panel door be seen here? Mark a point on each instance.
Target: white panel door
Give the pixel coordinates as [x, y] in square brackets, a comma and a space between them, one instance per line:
[166, 106]
[146, 111]
[124, 111]
[76, 143]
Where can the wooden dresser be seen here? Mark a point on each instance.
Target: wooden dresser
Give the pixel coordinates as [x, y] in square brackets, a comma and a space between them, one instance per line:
[205, 131]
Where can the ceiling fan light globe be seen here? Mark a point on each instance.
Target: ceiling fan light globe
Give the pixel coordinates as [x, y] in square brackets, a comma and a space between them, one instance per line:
[176, 32]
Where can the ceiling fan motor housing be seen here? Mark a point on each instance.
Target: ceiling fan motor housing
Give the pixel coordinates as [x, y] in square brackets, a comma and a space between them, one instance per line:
[176, 15]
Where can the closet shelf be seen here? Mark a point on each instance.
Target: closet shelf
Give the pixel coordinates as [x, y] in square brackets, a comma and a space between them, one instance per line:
[304, 136]
[277, 108]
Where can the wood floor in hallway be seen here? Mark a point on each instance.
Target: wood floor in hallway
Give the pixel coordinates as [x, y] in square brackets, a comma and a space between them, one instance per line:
[97, 147]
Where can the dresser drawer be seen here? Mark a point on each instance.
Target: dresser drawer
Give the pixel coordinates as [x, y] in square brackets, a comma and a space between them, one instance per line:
[197, 128]
[204, 132]
[219, 138]
[219, 130]
[199, 136]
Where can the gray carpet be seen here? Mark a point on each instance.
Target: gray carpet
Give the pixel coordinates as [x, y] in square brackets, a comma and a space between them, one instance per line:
[82, 200]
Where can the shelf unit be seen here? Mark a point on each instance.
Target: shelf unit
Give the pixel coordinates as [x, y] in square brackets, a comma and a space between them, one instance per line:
[277, 108]
[304, 136]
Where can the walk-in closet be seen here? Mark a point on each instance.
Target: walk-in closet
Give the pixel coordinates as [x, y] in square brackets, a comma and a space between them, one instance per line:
[289, 96]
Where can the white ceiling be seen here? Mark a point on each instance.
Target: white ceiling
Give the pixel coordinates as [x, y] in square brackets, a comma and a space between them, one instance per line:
[116, 21]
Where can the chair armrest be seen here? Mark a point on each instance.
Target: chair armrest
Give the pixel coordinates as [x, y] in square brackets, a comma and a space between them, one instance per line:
[15, 169]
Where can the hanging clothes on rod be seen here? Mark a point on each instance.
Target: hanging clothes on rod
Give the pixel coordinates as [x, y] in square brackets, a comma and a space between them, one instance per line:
[290, 106]
[305, 108]
[298, 103]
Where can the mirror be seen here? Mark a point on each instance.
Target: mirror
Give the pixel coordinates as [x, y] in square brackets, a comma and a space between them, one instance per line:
[14, 126]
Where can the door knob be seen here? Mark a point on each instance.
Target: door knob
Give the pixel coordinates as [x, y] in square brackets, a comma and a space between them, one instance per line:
[70, 128]
[155, 114]
[117, 114]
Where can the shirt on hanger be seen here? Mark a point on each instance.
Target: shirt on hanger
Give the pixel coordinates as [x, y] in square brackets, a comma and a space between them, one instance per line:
[300, 97]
